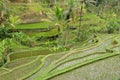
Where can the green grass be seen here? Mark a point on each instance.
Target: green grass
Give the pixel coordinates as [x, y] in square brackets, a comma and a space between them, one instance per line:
[44, 75]
[92, 20]
[34, 7]
[3, 70]
[56, 71]
[46, 61]
[28, 53]
[85, 62]
[54, 66]
[106, 69]
[34, 25]
[22, 70]
[53, 32]
[18, 62]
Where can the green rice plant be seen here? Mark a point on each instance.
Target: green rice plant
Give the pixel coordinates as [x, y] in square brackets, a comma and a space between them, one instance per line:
[44, 35]
[28, 53]
[33, 26]
[95, 46]
[46, 61]
[22, 38]
[99, 69]
[49, 75]
[51, 67]
[75, 59]
[3, 70]
[21, 70]
[18, 62]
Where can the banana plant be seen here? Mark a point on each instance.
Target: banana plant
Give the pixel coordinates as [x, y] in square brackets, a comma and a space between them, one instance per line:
[13, 20]
[56, 18]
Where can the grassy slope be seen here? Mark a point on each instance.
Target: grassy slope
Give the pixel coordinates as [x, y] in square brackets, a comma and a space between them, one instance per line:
[33, 25]
[19, 62]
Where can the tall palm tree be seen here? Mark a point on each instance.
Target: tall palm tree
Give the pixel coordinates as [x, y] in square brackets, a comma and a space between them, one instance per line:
[68, 18]
[57, 20]
[83, 4]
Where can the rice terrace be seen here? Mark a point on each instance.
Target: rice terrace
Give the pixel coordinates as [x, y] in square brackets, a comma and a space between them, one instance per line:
[59, 39]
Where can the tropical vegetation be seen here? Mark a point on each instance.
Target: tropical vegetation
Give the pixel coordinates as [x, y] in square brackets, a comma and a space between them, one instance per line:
[59, 39]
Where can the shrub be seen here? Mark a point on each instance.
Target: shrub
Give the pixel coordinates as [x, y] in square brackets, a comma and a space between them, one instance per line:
[116, 41]
[22, 38]
[4, 47]
[84, 35]
[4, 33]
[112, 26]
[95, 39]
[109, 50]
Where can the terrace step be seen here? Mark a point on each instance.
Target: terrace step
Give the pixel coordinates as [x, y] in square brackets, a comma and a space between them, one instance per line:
[46, 74]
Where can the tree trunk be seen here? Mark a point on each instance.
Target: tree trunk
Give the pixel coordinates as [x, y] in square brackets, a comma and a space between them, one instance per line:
[80, 22]
[66, 36]
[59, 34]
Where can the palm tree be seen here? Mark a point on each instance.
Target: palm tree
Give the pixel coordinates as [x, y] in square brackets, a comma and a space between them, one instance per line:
[13, 20]
[83, 4]
[69, 18]
[57, 20]
[58, 17]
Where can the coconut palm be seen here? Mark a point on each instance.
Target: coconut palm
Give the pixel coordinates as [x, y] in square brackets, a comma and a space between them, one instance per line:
[56, 18]
[69, 18]
[83, 4]
[13, 20]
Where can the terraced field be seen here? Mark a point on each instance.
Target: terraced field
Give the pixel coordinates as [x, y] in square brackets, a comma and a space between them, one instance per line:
[73, 61]
[59, 40]
[98, 61]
